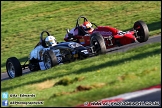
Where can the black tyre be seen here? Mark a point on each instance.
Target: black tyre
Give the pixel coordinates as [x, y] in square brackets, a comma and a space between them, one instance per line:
[98, 43]
[13, 67]
[49, 59]
[142, 31]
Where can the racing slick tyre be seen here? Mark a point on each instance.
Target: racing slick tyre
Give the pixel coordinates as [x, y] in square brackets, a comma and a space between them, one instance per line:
[13, 67]
[142, 31]
[98, 43]
[49, 59]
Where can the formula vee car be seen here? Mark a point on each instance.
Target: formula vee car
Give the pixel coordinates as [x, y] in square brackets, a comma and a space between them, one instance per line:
[105, 37]
[62, 52]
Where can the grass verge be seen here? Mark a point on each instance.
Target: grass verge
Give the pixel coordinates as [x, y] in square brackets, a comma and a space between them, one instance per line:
[90, 79]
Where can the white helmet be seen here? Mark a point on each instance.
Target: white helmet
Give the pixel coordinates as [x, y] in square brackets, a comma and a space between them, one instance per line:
[50, 41]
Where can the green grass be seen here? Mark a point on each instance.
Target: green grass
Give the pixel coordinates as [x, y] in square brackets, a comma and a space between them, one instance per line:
[90, 79]
[23, 21]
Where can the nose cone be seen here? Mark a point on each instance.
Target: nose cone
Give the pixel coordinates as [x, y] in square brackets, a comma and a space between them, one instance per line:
[84, 53]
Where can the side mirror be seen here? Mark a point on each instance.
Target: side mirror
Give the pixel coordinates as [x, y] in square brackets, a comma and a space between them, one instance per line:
[67, 30]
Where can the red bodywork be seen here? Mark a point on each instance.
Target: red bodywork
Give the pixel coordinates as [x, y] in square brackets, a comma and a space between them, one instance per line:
[108, 33]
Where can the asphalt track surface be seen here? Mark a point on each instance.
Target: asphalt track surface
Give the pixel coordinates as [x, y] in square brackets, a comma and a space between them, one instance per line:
[147, 97]
[154, 39]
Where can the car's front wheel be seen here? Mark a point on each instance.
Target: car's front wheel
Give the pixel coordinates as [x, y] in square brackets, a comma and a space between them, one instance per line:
[13, 67]
[141, 31]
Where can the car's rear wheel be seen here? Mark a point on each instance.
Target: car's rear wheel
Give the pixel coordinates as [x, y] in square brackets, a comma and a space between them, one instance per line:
[97, 42]
[141, 31]
[13, 67]
[49, 59]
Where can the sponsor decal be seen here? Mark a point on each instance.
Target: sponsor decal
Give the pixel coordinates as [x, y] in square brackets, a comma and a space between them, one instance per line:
[104, 32]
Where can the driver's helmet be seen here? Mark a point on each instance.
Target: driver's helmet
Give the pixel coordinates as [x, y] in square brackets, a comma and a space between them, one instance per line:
[50, 41]
[87, 26]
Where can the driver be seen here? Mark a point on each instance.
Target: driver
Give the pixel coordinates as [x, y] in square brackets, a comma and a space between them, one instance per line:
[86, 26]
[50, 41]
[37, 52]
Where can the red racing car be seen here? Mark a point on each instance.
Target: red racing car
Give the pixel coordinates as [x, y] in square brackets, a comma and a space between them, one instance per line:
[105, 37]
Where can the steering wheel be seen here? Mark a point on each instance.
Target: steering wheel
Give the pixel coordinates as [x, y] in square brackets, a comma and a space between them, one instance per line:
[78, 26]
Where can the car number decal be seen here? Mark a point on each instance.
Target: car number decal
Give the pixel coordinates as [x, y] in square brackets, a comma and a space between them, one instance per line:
[82, 41]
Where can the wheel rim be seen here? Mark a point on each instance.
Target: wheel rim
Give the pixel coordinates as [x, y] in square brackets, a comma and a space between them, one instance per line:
[96, 45]
[66, 54]
[11, 70]
[139, 31]
[47, 61]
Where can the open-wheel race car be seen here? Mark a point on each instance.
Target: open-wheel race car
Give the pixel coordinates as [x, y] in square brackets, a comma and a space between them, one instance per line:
[105, 37]
[43, 57]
